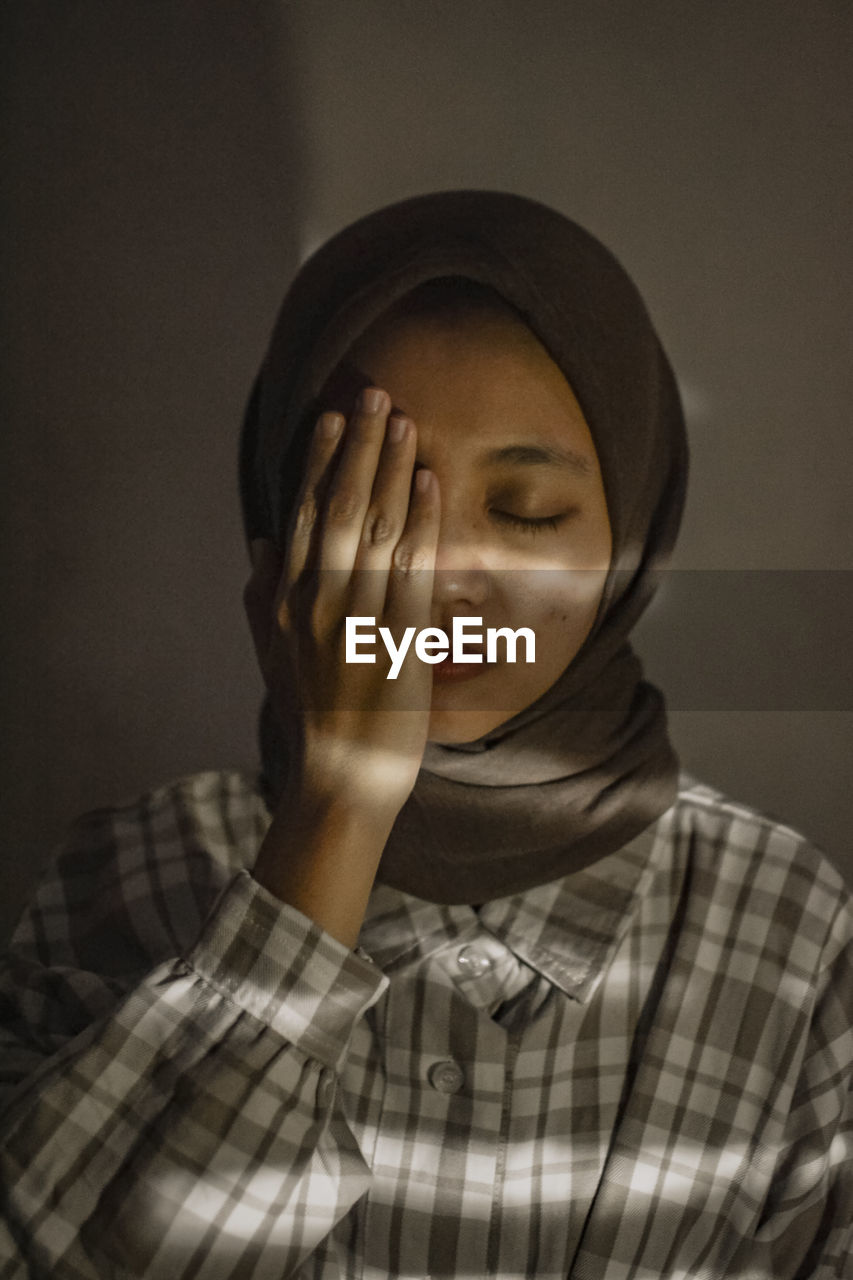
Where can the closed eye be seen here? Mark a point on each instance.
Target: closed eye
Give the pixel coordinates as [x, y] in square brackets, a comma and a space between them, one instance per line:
[530, 524]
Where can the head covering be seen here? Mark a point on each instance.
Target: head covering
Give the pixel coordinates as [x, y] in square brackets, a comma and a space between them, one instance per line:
[588, 765]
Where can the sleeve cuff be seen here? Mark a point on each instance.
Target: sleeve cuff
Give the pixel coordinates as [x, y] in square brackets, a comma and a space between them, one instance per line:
[282, 968]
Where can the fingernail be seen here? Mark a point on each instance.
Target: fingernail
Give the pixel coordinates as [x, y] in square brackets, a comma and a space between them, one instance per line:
[330, 425]
[372, 399]
[423, 480]
[397, 428]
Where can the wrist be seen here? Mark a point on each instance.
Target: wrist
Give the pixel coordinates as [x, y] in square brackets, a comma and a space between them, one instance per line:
[320, 855]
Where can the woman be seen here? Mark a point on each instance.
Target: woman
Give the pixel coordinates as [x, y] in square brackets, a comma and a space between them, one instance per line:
[479, 985]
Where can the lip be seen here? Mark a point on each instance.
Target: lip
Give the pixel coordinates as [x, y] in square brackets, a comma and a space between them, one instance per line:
[456, 671]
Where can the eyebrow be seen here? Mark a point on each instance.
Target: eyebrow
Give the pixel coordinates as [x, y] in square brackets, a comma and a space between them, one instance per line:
[539, 455]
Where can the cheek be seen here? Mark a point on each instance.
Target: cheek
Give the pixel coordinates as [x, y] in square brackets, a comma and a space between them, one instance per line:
[561, 607]
[557, 599]
[588, 550]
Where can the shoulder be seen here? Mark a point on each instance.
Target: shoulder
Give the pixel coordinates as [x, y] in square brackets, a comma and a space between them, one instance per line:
[218, 810]
[756, 883]
[132, 883]
[197, 824]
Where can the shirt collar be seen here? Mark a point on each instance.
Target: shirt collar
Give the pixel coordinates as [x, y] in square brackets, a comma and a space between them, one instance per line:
[567, 930]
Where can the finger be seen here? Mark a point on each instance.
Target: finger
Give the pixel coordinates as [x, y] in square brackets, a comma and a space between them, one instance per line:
[349, 492]
[385, 518]
[324, 446]
[345, 503]
[408, 598]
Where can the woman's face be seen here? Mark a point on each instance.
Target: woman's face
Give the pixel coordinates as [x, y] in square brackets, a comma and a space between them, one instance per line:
[525, 536]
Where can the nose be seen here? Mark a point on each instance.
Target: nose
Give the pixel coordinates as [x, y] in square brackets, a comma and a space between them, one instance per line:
[461, 584]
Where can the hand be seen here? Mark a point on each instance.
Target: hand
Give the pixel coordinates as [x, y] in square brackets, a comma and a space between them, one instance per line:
[363, 542]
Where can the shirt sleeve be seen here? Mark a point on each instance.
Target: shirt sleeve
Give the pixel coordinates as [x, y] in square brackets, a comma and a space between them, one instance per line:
[806, 1228]
[193, 1128]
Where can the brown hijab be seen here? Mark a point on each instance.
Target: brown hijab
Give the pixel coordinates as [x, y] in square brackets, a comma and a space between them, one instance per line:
[588, 765]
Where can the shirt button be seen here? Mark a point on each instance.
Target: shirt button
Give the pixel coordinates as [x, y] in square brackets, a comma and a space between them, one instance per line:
[446, 1077]
[325, 1088]
[473, 961]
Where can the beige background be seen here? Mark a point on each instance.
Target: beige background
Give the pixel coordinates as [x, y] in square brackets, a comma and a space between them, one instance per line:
[167, 166]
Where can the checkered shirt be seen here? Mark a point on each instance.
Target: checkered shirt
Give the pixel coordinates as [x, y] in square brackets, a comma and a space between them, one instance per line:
[640, 1071]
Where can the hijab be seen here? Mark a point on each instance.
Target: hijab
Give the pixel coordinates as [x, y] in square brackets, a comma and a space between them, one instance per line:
[588, 765]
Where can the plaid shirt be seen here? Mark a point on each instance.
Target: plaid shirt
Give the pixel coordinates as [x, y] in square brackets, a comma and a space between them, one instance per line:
[642, 1070]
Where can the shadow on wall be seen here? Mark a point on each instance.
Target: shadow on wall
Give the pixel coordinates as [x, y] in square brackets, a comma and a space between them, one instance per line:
[154, 174]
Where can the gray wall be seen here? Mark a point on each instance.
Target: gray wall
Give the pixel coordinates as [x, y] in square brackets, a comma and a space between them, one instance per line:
[170, 162]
